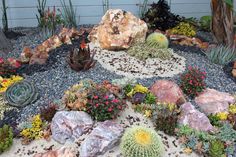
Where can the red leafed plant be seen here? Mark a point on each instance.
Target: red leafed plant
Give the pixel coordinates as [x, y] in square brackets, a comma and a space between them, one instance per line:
[193, 81]
[8, 67]
[81, 59]
[103, 105]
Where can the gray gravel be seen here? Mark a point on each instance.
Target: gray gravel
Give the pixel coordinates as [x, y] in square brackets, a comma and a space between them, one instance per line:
[53, 82]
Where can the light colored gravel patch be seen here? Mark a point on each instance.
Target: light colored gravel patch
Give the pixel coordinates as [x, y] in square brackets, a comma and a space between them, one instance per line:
[123, 64]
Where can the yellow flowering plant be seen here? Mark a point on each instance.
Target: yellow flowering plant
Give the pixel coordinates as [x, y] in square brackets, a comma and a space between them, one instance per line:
[35, 131]
[6, 82]
[232, 108]
[222, 115]
[184, 28]
[138, 88]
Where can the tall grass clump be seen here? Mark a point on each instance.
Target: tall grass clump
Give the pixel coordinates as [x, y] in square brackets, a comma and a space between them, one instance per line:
[69, 14]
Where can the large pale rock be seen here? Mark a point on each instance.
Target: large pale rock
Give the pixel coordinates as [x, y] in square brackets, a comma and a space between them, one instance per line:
[167, 91]
[103, 137]
[62, 152]
[69, 125]
[194, 118]
[118, 30]
[212, 101]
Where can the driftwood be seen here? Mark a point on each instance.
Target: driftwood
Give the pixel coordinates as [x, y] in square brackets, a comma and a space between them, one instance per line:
[5, 44]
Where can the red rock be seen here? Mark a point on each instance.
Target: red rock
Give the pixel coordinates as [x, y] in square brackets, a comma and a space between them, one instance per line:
[212, 101]
[167, 91]
[62, 152]
[118, 30]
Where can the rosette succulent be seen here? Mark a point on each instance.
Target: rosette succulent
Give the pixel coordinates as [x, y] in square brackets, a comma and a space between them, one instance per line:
[141, 141]
[21, 94]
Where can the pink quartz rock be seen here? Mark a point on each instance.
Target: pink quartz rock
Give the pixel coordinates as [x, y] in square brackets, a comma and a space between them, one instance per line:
[62, 152]
[118, 30]
[212, 101]
[194, 118]
[70, 125]
[167, 91]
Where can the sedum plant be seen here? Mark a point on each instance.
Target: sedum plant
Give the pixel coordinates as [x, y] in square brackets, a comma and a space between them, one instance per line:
[184, 28]
[157, 40]
[221, 54]
[21, 93]
[6, 138]
[142, 51]
[69, 14]
[216, 149]
[141, 141]
[81, 59]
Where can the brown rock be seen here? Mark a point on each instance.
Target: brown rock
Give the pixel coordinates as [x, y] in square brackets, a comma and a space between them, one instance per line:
[234, 67]
[26, 55]
[118, 30]
[167, 91]
[234, 72]
[62, 152]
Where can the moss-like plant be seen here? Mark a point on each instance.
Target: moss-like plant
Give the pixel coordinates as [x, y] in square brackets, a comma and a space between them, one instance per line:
[215, 120]
[21, 94]
[141, 141]
[216, 149]
[142, 51]
[150, 98]
[157, 40]
[184, 28]
[6, 138]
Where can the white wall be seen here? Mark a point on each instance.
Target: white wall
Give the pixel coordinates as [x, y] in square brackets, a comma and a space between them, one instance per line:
[23, 12]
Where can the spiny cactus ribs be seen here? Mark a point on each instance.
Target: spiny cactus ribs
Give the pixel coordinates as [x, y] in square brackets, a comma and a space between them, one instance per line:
[21, 94]
[81, 59]
[141, 141]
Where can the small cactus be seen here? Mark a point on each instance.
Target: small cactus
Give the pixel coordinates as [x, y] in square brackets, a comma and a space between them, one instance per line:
[157, 40]
[139, 141]
[6, 138]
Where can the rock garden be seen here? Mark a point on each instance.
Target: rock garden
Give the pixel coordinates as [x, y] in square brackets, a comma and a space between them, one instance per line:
[153, 86]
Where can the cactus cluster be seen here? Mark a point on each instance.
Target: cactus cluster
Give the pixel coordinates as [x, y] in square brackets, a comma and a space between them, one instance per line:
[6, 138]
[21, 94]
[140, 141]
[157, 40]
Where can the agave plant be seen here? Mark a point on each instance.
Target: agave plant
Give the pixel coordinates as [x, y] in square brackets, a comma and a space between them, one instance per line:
[81, 59]
[21, 94]
[221, 54]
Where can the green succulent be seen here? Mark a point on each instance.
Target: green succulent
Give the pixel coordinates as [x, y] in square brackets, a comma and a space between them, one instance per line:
[21, 94]
[150, 98]
[216, 149]
[142, 51]
[205, 22]
[6, 138]
[221, 54]
[184, 28]
[215, 120]
[157, 40]
[140, 141]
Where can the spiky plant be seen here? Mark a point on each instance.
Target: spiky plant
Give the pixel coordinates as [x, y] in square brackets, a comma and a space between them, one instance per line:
[216, 148]
[157, 40]
[106, 5]
[141, 141]
[21, 93]
[41, 7]
[4, 16]
[69, 14]
[221, 54]
[143, 8]
[6, 138]
[81, 59]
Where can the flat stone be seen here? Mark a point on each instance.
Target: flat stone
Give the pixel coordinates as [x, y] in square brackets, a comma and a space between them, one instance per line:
[62, 152]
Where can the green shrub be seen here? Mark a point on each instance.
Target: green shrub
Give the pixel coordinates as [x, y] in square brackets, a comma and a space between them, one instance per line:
[184, 28]
[6, 138]
[140, 141]
[142, 51]
[150, 98]
[216, 148]
[221, 54]
[157, 40]
[205, 23]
